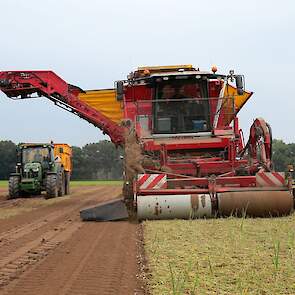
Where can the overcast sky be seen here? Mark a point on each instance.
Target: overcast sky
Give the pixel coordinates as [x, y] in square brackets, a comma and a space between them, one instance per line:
[93, 43]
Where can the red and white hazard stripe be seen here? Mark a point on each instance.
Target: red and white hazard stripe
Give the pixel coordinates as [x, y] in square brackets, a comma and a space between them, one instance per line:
[270, 179]
[152, 181]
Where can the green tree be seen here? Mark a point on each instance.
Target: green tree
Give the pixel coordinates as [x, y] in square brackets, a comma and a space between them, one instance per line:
[97, 161]
[7, 158]
[103, 160]
[283, 155]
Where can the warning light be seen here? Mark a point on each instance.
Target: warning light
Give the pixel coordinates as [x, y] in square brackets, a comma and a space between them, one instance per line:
[214, 69]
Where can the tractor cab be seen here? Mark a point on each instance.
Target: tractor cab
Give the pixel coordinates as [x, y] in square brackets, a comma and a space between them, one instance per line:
[34, 160]
[32, 156]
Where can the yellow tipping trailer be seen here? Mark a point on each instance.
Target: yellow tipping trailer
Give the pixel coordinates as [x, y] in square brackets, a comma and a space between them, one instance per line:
[64, 152]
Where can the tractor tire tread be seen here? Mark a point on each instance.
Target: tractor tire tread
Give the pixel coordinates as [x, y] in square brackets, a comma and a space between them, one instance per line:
[13, 187]
[51, 186]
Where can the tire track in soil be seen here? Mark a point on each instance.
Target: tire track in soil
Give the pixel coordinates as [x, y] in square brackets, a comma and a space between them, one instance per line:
[43, 238]
[36, 213]
[16, 263]
[25, 229]
[100, 258]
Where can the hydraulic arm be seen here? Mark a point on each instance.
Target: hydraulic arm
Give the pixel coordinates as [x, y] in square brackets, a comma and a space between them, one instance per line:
[24, 84]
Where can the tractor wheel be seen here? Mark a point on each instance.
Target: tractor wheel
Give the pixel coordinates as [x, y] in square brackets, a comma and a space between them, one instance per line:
[67, 183]
[51, 186]
[61, 183]
[13, 187]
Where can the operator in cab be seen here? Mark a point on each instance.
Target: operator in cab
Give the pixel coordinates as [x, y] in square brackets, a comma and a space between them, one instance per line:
[180, 108]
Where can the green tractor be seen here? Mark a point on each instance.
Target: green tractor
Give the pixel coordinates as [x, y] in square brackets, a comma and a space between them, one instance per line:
[38, 169]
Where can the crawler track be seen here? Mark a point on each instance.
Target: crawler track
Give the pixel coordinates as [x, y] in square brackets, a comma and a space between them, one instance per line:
[50, 251]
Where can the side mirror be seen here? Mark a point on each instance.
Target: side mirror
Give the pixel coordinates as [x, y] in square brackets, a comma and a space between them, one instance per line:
[120, 90]
[239, 84]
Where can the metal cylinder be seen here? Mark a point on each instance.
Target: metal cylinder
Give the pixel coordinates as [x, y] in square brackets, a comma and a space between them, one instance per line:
[255, 203]
[174, 206]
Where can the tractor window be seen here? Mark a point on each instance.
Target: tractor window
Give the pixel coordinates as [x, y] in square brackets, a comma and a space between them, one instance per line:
[33, 154]
[181, 106]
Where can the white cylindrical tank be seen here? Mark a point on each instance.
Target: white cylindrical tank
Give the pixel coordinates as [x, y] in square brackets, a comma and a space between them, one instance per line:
[174, 206]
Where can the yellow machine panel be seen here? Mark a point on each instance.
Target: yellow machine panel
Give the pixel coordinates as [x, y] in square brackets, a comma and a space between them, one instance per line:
[239, 100]
[64, 151]
[105, 102]
[230, 109]
[165, 68]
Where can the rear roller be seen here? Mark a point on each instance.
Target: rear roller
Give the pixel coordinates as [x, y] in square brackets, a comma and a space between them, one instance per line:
[256, 203]
[191, 206]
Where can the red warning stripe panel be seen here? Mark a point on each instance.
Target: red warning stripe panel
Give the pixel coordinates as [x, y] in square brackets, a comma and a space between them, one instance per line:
[276, 179]
[280, 176]
[152, 181]
[142, 178]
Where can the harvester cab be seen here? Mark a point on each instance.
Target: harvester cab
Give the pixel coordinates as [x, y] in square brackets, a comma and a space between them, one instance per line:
[38, 169]
[182, 100]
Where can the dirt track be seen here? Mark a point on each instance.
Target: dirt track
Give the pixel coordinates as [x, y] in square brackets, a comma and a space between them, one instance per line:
[50, 251]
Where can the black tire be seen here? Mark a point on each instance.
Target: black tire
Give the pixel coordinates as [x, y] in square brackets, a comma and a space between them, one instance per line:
[61, 183]
[13, 187]
[67, 183]
[51, 186]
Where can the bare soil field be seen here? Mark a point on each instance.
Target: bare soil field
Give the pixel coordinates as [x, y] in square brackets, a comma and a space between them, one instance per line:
[48, 250]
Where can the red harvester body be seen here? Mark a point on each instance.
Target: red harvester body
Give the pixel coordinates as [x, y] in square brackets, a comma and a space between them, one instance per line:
[185, 155]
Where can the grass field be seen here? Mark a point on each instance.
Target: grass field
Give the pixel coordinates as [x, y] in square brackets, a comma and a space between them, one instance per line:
[221, 256]
[95, 182]
[3, 183]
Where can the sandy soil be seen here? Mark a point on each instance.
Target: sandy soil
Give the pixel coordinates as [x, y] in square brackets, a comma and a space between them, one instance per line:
[3, 191]
[50, 251]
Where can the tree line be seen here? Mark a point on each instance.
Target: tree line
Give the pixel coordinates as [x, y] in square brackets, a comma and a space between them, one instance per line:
[99, 160]
[102, 160]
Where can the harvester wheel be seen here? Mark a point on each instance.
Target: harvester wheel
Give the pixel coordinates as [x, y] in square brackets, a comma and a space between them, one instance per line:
[67, 184]
[61, 183]
[51, 186]
[14, 191]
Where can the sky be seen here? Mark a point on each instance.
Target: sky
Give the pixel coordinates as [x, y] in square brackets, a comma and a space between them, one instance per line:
[92, 43]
